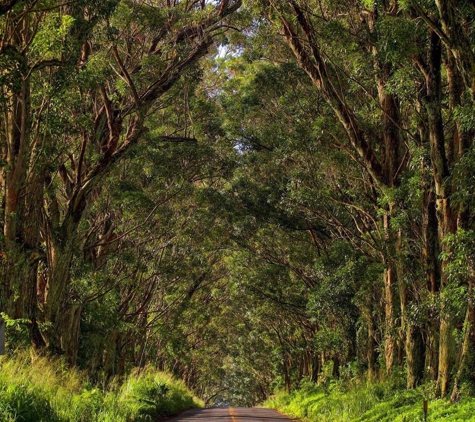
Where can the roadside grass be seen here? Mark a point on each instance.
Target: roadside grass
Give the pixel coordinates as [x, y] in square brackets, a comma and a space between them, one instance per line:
[381, 401]
[38, 389]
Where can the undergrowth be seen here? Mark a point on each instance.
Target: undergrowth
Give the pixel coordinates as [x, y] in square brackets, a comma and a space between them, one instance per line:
[37, 389]
[362, 401]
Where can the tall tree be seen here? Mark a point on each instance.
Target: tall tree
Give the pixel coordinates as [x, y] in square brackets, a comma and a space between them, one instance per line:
[99, 71]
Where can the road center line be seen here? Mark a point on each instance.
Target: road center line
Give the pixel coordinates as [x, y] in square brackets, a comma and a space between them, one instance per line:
[233, 414]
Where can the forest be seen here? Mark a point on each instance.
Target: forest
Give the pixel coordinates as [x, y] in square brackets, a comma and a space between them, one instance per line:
[252, 195]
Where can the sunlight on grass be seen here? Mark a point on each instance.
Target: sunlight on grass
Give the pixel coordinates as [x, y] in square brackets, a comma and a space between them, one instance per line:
[37, 389]
[382, 401]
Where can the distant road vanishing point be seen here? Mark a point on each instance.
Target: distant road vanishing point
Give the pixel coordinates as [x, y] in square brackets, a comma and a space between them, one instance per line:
[231, 414]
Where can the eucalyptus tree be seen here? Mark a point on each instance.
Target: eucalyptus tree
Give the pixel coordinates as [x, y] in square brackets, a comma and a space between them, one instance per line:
[151, 250]
[149, 60]
[80, 83]
[355, 55]
[396, 79]
[447, 69]
[41, 45]
[292, 196]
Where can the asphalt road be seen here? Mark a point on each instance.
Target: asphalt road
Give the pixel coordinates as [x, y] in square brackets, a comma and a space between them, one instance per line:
[231, 414]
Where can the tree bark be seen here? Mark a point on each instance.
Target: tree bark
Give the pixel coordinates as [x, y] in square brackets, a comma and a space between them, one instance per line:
[390, 337]
[446, 215]
[22, 189]
[384, 168]
[394, 302]
[431, 271]
[415, 356]
[370, 346]
[316, 368]
[466, 361]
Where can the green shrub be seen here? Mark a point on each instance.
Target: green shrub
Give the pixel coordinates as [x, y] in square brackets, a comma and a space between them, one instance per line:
[24, 403]
[360, 401]
[147, 395]
[38, 389]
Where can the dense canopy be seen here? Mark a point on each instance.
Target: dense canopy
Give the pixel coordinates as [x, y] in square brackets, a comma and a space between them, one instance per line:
[249, 194]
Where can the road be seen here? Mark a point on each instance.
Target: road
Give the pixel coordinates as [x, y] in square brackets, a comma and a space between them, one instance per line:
[231, 414]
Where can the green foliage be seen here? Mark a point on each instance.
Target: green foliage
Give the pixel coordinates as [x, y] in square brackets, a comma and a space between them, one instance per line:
[17, 331]
[461, 256]
[463, 180]
[396, 39]
[48, 42]
[360, 401]
[223, 219]
[148, 395]
[21, 403]
[35, 389]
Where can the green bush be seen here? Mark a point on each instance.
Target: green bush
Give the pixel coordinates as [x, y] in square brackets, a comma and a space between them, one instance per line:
[24, 403]
[361, 401]
[147, 395]
[37, 389]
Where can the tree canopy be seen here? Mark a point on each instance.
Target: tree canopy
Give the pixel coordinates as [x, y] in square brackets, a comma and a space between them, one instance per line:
[250, 194]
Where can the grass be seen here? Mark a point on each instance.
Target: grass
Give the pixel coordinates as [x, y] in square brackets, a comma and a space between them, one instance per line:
[37, 389]
[381, 401]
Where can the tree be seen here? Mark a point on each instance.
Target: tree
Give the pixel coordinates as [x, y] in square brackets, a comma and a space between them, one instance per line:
[82, 81]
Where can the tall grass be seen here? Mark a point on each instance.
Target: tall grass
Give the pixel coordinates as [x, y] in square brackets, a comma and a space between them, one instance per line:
[37, 389]
[382, 401]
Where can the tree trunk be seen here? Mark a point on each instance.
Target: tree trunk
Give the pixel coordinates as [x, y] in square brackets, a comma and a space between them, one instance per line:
[430, 263]
[287, 382]
[411, 331]
[456, 41]
[390, 320]
[22, 207]
[415, 356]
[17, 139]
[446, 215]
[61, 246]
[31, 230]
[370, 341]
[391, 303]
[336, 367]
[467, 359]
[316, 368]
[70, 328]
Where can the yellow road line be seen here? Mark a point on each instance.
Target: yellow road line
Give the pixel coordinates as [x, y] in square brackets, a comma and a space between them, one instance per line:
[232, 412]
